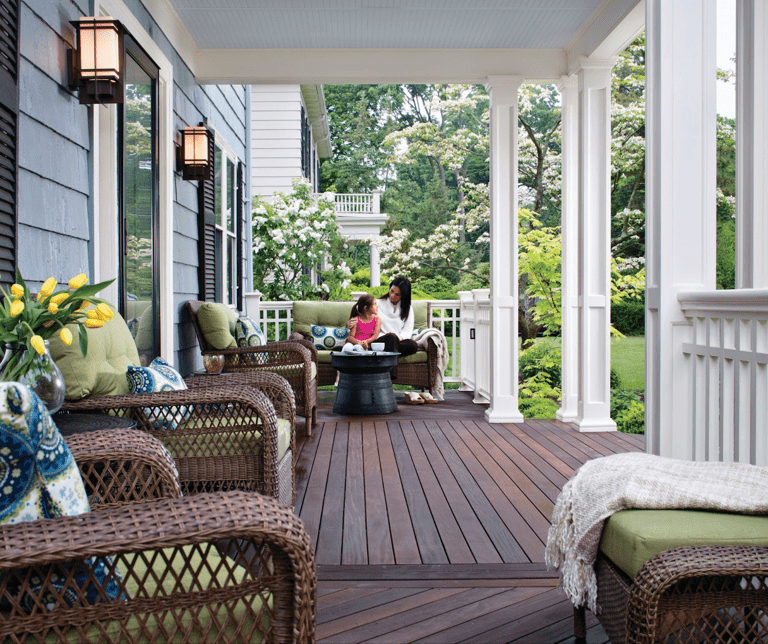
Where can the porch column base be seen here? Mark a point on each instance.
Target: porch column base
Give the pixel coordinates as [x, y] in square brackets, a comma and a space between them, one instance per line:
[503, 410]
[565, 416]
[594, 425]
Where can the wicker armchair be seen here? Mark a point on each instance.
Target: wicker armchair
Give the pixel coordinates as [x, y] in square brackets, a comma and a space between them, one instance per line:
[225, 437]
[292, 360]
[228, 566]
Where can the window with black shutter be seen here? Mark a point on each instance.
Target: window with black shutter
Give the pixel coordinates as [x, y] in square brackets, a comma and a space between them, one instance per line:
[9, 112]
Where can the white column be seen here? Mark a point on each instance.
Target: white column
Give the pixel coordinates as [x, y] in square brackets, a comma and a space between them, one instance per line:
[504, 292]
[752, 144]
[375, 260]
[570, 249]
[594, 242]
[680, 205]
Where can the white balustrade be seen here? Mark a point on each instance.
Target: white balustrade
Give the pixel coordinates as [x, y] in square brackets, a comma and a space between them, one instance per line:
[725, 346]
[278, 316]
[354, 203]
[446, 316]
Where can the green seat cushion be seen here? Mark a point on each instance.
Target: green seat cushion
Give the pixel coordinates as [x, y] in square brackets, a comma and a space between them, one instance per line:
[233, 442]
[111, 350]
[217, 324]
[632, 537]
[192, 572]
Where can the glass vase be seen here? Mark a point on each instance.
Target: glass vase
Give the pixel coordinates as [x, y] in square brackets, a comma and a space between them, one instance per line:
[43, 376]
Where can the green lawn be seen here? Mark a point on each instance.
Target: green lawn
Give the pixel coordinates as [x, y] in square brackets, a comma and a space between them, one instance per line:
[628, 358]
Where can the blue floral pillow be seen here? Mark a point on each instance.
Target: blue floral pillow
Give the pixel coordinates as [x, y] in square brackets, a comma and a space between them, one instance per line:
[40, 480]
[248, 333]
[158, 376]
[328, 337]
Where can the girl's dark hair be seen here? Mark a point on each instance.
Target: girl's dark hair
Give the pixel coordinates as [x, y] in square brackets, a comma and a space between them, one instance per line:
[404, 284]
[365, 301]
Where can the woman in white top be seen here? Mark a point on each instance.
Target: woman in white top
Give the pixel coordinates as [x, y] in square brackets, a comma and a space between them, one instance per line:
[396, 315]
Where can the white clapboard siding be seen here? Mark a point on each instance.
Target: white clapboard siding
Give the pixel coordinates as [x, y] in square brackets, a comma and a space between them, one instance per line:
[275, 138]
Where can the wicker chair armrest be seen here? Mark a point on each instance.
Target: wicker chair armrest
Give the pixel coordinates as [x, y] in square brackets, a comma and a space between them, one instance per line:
[297, 337]
[668, 568]
[296, 351]
[207, 411]
[124, 465]
[263, 538]
[276, 388]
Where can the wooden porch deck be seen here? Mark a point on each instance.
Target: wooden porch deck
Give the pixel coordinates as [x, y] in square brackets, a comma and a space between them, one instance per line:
[429, 524]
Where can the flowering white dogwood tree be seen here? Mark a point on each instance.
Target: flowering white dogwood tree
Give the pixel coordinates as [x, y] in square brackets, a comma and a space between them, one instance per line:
[297, 247]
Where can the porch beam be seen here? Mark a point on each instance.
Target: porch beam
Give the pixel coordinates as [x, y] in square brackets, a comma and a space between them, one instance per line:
[569, 88]
[594, 244]
[503, 92]
[752, 144]
[680, 206]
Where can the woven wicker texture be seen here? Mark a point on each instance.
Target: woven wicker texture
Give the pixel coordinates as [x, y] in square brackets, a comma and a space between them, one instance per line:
[124, 465]
[292, 360]
[703, 594]
[224, 567]
[225, 437]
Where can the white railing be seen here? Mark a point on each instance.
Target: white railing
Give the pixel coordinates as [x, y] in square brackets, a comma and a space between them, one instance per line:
[355, 203]
[475, 342]
[726, 353]
[446, 316]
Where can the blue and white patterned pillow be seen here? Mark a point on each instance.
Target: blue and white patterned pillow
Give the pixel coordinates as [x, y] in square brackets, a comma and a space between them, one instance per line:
[40, 480]
[158, 376]
[328, 337]
[249, 334]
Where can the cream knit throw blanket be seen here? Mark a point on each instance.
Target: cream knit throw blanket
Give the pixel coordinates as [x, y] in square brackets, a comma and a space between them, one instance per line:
[623, 481]
[442, 356]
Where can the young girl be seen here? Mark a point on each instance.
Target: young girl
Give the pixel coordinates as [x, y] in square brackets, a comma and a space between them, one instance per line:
[365, 324]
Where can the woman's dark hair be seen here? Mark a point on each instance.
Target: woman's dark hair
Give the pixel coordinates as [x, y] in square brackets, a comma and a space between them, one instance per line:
[404, 284]
[364, 302]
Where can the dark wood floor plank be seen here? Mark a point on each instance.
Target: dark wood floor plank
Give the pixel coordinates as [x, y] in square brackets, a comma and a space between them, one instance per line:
[427, 536]
[480, 544]
[430, 630]
[312, 507]
[429, 573]
[477, 442]
[348, 629]
[403, 539]
[397, 630]
[327, 597]
[453, 540]
[577, 439]
[355, 543]
[562, 460]
[328, 549]
[358, 607]
[523, 543]
[517, 601]
[377, 525]
[580, 449]
[538, 499]
[306, 455]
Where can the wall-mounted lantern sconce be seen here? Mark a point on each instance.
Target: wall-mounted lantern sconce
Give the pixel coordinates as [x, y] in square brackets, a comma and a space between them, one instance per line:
[195, 154]
[96, 65]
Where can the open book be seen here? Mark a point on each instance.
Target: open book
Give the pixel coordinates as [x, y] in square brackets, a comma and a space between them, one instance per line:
[353, 348]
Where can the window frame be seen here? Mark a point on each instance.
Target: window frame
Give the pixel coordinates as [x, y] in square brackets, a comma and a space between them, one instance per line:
[226, 255]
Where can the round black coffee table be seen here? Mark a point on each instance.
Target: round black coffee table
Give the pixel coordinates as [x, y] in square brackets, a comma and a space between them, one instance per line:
[364, 384]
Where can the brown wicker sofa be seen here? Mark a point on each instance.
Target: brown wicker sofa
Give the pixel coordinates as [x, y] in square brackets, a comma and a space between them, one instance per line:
[419, 370]
[694, 593]
[290, 359]
[227, 566]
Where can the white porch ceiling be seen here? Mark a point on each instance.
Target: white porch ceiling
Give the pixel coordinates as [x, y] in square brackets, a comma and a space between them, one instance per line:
[326, 41]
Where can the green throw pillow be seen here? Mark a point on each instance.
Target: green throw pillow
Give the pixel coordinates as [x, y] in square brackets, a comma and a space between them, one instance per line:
[217, 324]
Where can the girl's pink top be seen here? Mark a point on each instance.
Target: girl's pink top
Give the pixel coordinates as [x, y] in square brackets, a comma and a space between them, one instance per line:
[364, 330]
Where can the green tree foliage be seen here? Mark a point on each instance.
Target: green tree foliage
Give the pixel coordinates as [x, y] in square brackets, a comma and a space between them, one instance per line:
[294, 235]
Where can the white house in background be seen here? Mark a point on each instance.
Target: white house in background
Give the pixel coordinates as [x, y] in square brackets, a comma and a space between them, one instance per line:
[289, 136]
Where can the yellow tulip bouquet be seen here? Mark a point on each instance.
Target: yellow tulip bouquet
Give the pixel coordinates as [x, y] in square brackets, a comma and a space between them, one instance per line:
[26, 322]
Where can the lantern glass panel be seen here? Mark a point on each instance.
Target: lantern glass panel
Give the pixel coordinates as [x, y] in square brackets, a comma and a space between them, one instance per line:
[99, 49]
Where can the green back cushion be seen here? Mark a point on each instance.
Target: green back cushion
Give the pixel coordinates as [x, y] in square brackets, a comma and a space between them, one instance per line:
[111, 350]
[217, 324]
[632, 537]
[305, 314]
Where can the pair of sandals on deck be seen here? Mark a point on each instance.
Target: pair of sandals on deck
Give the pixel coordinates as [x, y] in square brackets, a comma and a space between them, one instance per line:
[416, 398]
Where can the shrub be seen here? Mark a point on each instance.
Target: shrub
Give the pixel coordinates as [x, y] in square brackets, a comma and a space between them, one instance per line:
[628, 411]
[538, 407]
[628, 317]
[615, 379]
[543, 357]
[538, 398]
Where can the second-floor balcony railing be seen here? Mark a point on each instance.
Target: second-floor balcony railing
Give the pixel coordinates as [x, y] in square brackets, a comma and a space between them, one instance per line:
[358, 203]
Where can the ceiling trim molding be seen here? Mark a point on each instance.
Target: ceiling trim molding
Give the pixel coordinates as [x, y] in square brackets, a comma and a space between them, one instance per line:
[328, 66]
[612, 27]
[171, 24]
